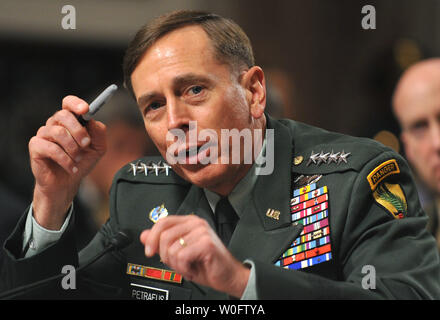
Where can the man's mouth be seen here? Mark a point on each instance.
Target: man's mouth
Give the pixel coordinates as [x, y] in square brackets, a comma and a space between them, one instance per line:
[192, 151]
[194, 154]
[189, 151]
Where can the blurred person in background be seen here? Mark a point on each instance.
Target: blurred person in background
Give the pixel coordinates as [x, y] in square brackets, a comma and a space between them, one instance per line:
[416, 105]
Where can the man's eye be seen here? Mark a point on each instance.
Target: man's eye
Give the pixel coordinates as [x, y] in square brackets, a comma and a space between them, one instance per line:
[196, 89]
[419, 129]
[154, 106]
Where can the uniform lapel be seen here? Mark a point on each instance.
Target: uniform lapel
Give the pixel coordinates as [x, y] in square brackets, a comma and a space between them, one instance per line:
[258, 235]
[196, 202]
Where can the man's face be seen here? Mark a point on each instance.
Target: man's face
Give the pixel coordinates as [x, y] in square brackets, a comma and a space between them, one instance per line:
[179, 80]
[418, 110]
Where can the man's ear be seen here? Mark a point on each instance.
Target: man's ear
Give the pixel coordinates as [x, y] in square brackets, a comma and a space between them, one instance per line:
[254, 83]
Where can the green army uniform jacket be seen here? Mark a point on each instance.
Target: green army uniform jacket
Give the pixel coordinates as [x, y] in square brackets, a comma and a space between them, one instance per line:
[339, 218]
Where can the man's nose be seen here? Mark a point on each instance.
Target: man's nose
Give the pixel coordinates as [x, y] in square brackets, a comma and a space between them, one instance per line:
[177, 114]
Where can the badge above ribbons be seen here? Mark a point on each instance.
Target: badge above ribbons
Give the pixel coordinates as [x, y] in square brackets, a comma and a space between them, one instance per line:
[309, 206]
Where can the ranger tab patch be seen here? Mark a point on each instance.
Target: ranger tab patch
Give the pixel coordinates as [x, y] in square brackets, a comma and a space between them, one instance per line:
[309, 207]
[382, 171]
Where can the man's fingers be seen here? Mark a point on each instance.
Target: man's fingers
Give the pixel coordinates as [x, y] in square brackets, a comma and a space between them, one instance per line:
[175, 234]
[42, 149]
[188, 242]
[62, 137]
[184, 224]
[153, 237]
[143, 236]
[75, 105]
[189, 246]
[69, 121]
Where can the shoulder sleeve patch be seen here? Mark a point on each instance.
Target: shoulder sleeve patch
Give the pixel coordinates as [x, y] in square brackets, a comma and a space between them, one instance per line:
[382, 171]
[392, 198]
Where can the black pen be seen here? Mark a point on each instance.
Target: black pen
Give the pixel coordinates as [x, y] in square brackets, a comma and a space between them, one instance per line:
[97, 104]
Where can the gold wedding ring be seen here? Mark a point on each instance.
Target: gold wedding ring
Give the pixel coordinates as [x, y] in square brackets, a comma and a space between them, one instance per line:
[182, 242]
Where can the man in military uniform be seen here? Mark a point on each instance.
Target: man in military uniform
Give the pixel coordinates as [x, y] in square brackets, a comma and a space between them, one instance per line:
[338, 218]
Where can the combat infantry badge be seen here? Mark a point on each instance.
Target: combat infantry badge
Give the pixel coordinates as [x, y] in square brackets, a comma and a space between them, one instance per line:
[303, 180]
[158, 213]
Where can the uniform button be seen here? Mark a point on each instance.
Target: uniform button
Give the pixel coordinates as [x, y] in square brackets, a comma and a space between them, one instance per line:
[295, 224]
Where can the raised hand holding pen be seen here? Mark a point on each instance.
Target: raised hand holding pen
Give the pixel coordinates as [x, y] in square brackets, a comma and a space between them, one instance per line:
[61, 153]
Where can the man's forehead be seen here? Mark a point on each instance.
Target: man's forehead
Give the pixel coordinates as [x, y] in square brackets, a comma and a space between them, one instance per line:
[188, 39]
[187, 49]
[419, 111]
[417, 98]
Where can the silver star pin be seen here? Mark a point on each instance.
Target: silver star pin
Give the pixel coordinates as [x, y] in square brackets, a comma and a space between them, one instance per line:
[163, 166]
[343, 157]
[133, 168]
[156, 168]
[333, 157]
[323, 158]
[313, 158]
[167, 168]
[145, 168]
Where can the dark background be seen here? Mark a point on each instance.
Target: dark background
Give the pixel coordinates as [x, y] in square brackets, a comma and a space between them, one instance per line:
[321, 65]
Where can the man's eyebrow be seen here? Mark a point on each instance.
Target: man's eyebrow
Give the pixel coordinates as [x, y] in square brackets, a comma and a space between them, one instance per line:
[417, 124]
[189, 78]
[178, 82]
[146, 97]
